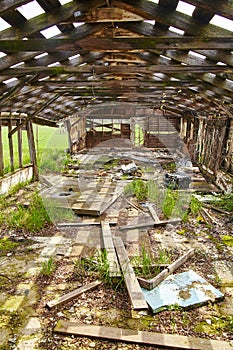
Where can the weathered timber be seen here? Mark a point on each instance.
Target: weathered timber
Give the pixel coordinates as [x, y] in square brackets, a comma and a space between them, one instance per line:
[149, 224]
[153, 213]
[32, 150]
[72, 295]
[20, 150]
[153, 282]
[123, 69]
[30, 117]
[111, 14]
[11, 147]
[133, 287]
[112, 201]
[80, 224]
[114, 268]
[1, 151]
[117, 44]
[140, 337]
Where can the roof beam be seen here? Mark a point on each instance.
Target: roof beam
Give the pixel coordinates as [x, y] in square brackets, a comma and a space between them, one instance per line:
[117, 44]
[119, 69]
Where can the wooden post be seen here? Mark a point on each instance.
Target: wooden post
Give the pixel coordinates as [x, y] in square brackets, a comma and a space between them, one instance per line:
[1, 152]
[11, 148]
[68, 126]
[20, 152]
[32, 150]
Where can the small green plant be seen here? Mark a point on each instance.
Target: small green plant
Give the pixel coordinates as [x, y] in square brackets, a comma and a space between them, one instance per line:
[195, 206]
[225, 202]
[164, 257]
[169, 203]
[48, 267]
[138, 188]
[7, 245]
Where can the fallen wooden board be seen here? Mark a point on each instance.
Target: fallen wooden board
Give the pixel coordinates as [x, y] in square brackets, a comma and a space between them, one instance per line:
[140, 337]
[133, 287]
[114, 268]
[67, 297]
[79, 224]
[153, 213]
[113, 200]
[153, 282]
[149, 224]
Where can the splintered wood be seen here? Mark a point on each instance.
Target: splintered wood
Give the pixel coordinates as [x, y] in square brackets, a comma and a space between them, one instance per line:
[140, 337]
[153, 282]
[133, 287]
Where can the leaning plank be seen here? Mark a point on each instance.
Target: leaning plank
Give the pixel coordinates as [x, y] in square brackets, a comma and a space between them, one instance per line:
[153, 213]
[149, 224]
[67, 297]
[114, 268]
[153, 282]
[140, 337]
[80, 224]
[133, 287]
[113, 200]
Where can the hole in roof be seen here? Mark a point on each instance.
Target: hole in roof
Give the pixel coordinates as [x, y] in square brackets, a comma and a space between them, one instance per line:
[50, 32]
[221, 64]
[73, 57]
[54, 64]
[8, 81]
[2, 54]
[176, 30]
[222, 22]
[43, 78]
[193, 53]
[41, 55]
[30, 10]
[185, 8]
[4, 24]
[150, 21]
[78, 24]
[17, 65]
[63, 2]
[167, 58]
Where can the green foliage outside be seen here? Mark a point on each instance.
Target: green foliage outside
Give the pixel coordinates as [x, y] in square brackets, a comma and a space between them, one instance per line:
[50, 145]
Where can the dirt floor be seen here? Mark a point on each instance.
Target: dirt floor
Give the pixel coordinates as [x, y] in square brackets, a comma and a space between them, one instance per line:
[28, 281]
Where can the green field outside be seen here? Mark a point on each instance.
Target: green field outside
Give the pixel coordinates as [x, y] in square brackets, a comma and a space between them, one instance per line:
[50, 142]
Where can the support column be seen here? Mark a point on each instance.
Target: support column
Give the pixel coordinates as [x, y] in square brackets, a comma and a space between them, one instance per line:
[20, 151]
[11, 148]
[1, 152]
[32, 150]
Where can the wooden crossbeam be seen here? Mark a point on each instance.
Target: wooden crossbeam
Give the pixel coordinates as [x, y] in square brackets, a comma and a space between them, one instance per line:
[116, 44]
[117, 69]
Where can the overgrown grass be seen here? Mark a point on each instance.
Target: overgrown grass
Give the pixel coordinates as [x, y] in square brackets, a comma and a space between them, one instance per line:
[33, 219]
[225, 203]
[48, 267]
[143, 190]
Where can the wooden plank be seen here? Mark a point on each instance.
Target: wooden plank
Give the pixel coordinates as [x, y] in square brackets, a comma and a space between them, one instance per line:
[133, 287]
[11, 147]
[113, 200]
[80, 224]
[116, 44]
[114, 268]
[70, 296]
[32, 149]
[140, 337]
[153, 282]
[153, 213]
[149, 224]
[1, 151]
[20, 150]
[176, 68]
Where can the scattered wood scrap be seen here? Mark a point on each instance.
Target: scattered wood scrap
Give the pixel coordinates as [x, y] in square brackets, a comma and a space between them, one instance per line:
[114, 268]
[133, 287]
[153, 282]
[80, 224]
[149, 224]
[140, 337]
[67, 297]
[153, 213]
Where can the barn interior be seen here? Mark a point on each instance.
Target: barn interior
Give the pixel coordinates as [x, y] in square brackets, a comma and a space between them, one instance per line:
[143, 91]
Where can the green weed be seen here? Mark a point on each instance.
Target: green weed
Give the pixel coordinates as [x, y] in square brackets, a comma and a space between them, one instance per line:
[169, 202]
[6, 244]
[195, 206]
[225, 203]
[138, 188]
[34, 218]
[48, 267]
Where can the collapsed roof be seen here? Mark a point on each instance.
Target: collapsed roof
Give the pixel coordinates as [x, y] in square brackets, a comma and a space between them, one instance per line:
[58, 58]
